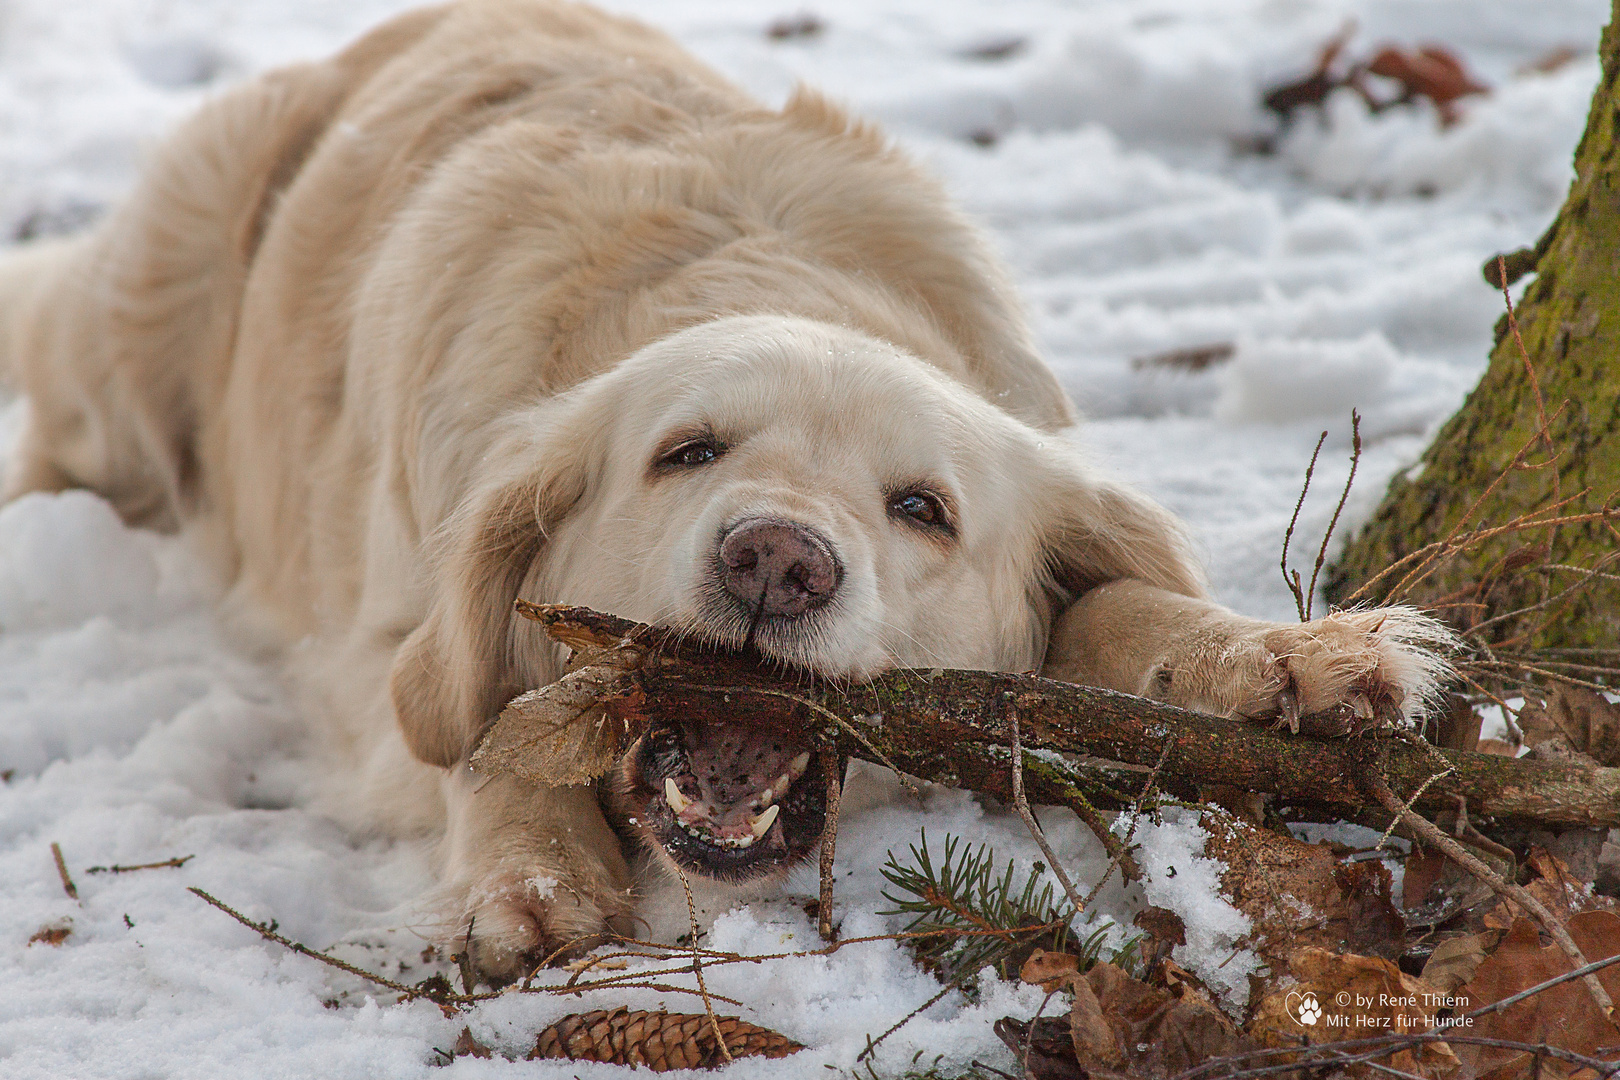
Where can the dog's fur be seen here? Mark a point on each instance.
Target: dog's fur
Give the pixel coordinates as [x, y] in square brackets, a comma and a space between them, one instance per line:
[403, 335]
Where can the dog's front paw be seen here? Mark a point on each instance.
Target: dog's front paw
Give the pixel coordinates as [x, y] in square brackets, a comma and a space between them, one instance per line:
[533, 874]
[523, 915]
[1342, 674]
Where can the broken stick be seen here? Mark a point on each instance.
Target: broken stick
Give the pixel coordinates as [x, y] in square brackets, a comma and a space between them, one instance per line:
[1084, 746]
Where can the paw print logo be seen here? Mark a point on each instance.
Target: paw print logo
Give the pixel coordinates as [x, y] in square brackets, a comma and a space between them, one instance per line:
[1309, 1011]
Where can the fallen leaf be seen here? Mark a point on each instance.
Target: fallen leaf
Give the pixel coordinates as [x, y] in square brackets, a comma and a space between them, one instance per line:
[1313, 89]
[1429, 72]
[1455, 960]
[1341, 996]
[1119, 1026]
[1564, 1016]
[1051, 971]
[1297, 894]
[1000, 48]
[1193, 358]
[1550, 61]
[1093, 1036]
[1562, 892]
[1047, 1051]
[805, 24]
[52, 933]
[1583, 721]
[468, 1046]
[1162, 931]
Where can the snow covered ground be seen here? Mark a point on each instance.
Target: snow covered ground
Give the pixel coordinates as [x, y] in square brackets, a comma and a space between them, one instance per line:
[1344, 269]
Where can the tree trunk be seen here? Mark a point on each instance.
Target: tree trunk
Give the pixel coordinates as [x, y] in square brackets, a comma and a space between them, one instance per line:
[1570, 323]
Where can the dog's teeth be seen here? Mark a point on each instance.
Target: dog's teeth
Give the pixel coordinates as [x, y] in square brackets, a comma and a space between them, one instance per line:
[799, 764]
[677, 801]
[761, 825]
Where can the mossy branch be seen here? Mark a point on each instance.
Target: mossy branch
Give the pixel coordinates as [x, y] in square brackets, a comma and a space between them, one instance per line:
[950, 727]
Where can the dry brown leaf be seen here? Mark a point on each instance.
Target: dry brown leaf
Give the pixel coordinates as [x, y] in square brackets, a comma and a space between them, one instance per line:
[52, 933]
[1340, 996]
[1562, 892]
[1162, 930]
[562, 734]
[1120, 1026]
[806, 24]
[1194, 358]
[1564, 1016]
[1431, 72]
[1093, 1036]
[1051, 971]
[467, 1045]
[1455, 960]
[1297, 894]
[1578, 719]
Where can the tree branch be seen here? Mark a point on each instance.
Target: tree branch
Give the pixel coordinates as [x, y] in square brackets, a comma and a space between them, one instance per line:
[1084, 746]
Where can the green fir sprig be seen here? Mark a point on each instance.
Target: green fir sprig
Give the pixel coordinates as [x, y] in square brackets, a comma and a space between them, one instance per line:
[992, 917]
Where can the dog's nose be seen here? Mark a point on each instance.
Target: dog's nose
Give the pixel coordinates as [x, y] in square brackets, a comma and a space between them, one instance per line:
[783, 564]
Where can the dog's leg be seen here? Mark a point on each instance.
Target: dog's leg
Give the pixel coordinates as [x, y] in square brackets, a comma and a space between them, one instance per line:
[1350, 668]
[534, 870]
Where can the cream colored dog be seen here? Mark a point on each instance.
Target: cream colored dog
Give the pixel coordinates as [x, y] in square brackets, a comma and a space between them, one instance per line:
[516, 298]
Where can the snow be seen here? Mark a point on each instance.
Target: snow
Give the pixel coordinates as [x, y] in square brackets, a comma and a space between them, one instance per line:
[1343, 268]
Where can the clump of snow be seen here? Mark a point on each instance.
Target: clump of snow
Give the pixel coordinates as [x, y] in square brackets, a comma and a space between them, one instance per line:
[1177, 876]
[1274, 380]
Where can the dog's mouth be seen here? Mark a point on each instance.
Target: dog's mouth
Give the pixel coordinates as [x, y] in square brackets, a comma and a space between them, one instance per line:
[728, 801]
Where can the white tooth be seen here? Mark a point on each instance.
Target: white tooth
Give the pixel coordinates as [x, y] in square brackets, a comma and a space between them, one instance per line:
[677, 801]
[766, 797]
[799, 764]
[761, 825]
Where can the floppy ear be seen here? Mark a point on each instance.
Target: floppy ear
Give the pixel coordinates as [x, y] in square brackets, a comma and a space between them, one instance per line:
[453, 674]
[1101, 531]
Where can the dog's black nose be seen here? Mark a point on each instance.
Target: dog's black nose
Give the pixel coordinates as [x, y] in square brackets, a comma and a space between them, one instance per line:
[792, 566]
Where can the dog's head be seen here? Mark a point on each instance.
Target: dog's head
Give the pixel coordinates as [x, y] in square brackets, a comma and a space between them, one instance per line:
[821, 495]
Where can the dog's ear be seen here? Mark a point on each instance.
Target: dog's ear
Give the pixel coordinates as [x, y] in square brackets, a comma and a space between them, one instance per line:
[1099, 531]
[456, 670]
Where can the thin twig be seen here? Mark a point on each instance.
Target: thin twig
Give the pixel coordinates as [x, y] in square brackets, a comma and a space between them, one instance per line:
[697, 967]
[176, 862]
[267, 931]
[1022, 805]
[872, 1044]
[829, 841]
[1435, 837]
[1321, 552]
[62, 871]
[1293, 583]
[1130, 830]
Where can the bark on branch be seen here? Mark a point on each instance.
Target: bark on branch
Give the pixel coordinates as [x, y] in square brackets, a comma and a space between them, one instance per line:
[1083, 747]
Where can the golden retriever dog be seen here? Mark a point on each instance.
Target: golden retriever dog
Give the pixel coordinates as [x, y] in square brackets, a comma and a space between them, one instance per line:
[515, 298]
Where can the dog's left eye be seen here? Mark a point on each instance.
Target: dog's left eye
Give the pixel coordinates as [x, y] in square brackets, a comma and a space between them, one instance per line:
[923, 507]
[692, 452]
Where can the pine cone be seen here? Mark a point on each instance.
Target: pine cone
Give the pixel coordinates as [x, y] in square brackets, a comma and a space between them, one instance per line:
[659, 1040]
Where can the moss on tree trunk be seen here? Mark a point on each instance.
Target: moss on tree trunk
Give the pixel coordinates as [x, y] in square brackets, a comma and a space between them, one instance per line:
[1570, 322]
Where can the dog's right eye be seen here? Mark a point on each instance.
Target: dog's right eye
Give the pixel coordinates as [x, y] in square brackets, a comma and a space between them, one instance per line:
[691, 453]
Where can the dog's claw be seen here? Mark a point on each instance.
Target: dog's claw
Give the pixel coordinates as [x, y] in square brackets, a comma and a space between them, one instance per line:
[1288, 706]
